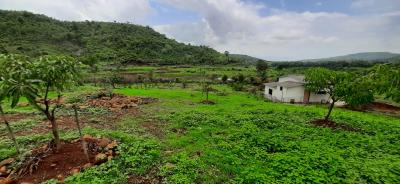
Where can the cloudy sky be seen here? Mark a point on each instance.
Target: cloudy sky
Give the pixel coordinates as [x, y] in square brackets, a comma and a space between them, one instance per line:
[269, 29]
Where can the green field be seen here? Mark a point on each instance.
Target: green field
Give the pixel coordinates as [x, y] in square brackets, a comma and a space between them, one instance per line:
[240, 139]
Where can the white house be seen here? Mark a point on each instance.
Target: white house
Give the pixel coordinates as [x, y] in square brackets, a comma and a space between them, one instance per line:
[291, 89]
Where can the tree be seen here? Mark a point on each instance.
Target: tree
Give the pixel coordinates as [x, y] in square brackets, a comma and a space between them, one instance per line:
[387, 80]
[227, 56]
[55, 73]
[36, 79]
[13, 71]
[341, 86]
[262, 67]
[5, 121]
[224, 78]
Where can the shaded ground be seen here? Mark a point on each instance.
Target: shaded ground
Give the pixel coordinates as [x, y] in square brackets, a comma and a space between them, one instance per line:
[382, 107]
[332, 125]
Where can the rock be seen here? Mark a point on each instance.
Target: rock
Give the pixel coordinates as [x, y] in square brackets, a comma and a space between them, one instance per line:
[26, 182]
[86, 166]
[89, 138]
[53, 165]
[112, 145]
[60, 177]
[109, 158]
[7, 181]
[7, 162]
[103, 142]
[3, 169]
[75, 171]
[100, 158]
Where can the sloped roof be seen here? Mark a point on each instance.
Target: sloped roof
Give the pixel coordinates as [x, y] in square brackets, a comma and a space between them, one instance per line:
[287, 84]
[296, 78]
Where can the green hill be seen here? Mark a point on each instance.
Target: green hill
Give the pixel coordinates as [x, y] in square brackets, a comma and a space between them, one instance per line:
[245, 58]
[364, 56]
[32, 34]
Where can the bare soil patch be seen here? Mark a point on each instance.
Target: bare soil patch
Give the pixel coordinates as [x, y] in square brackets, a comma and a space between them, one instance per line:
[332, 125]
[44, 163]
[378, 106]
[17, 117]
[208, 102]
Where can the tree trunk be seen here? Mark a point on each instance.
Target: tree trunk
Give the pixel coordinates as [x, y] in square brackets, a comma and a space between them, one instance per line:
[54, 129]
[330, 110]
[10, 132]
[84, 144]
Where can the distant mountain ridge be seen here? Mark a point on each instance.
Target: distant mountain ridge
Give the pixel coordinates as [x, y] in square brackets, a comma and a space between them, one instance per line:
[363, 56]
[245, 58]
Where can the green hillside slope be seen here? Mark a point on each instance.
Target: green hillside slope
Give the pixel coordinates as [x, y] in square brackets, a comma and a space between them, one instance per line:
[32, 34]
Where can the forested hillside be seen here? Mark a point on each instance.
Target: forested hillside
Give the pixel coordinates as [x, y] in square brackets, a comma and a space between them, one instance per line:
[34, 35]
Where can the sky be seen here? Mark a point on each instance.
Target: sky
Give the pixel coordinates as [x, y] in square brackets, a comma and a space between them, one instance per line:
[268, 29]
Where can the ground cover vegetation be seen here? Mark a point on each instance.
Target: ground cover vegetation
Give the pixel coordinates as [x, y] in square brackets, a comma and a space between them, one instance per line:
[184, 122]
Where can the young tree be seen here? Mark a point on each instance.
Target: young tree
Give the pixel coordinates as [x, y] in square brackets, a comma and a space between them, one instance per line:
[341, 86]
[224, 78]
[262, 67]
[13, 83]
[227, 56]
[36, 79]
[5, 121]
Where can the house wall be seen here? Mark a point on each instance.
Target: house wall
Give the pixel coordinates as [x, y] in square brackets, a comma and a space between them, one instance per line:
[296, 93]
[319, 98]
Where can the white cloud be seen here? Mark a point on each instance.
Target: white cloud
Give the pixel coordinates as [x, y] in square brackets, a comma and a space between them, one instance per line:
[102, 10]
[239, 27]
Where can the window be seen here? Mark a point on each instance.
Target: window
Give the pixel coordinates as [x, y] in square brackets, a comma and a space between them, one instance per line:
[281, 88]
[270, 91]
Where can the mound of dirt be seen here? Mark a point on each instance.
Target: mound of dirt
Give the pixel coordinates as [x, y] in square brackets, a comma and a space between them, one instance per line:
[332, 125]
[116, 102]
[44, 163]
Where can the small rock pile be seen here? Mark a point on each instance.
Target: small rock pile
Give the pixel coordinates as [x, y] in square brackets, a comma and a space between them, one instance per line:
[5, 170]
[106, 149]
[115, 103]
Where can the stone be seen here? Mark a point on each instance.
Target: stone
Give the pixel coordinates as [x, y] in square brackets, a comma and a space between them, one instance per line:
[75, 171]
[88, 165]
[8, 181]
[103, 142]
[112, 145]
[3, 169]
[7, 162]
[100, 158]
[60, 177]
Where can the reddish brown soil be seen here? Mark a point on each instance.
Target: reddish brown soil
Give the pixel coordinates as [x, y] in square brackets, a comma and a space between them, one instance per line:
[63, 122]
[51, 165]
[17, 116]
[378, 106]
[45, 164]
[332, 125]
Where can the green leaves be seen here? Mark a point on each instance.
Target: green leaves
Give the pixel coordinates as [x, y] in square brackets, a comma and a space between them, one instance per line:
[57, 72]
[387, 80]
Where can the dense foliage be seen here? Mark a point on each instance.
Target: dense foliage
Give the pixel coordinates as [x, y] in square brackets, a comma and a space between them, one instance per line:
[36, 35]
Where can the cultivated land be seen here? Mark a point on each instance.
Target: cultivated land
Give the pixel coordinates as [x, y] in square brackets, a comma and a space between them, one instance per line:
[240, 139]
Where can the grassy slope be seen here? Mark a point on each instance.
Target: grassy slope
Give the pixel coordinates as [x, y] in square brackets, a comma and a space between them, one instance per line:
[245, 140]
[242, 139]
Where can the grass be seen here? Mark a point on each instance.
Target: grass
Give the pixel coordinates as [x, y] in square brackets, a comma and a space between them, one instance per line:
[241, 139]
